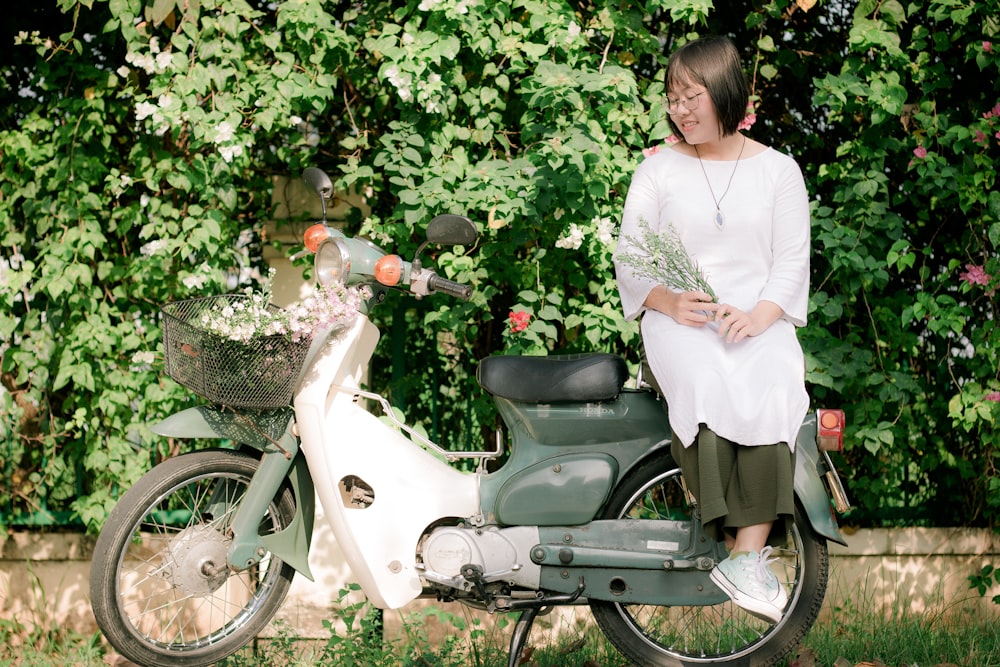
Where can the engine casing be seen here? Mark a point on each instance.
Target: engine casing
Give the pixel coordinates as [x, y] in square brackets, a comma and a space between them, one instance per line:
[502, 553]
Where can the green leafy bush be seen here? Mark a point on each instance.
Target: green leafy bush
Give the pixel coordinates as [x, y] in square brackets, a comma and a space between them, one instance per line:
[140, 141]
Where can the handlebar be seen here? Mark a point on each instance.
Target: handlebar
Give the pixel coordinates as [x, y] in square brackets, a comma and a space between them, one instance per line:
[438, 284]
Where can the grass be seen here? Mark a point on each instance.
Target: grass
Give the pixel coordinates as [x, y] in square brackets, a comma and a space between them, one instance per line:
[848, 635]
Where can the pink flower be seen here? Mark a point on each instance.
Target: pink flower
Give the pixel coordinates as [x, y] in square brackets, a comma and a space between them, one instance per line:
[988, 47]
[518, 321]
[653, 150]
[920, 152]
[980, 138]
[975, 275]
[747, 122]
[992, 113]
[993, 396]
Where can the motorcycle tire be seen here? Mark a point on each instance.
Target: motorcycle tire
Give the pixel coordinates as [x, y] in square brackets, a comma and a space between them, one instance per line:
[722, 634]
[160, 587]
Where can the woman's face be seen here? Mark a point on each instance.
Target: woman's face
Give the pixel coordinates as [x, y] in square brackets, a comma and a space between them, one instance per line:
[692, 111]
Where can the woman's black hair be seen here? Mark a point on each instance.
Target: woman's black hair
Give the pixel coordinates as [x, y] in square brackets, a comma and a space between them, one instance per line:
[714, 63]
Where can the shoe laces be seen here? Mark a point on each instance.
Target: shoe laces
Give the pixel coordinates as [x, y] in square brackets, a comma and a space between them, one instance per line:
[762, 567]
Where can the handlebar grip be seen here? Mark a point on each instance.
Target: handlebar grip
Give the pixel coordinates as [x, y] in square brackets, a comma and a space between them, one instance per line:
[438, 284]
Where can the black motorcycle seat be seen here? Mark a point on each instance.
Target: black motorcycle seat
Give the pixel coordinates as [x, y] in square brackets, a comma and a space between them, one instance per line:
[595, 376]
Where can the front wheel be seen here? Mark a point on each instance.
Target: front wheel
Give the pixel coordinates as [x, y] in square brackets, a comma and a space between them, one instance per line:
[160, 587]
[722, 634]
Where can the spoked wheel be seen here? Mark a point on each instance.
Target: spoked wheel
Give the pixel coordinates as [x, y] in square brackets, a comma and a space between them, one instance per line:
[160, 587]
[721, 634]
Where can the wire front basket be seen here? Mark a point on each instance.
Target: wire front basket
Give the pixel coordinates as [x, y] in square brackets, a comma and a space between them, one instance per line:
[259, 374]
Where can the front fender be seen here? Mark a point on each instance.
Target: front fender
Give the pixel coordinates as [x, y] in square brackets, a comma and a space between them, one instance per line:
[270, 432]
[258, 429]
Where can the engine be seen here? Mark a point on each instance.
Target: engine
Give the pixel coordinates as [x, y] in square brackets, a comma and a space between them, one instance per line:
[500, 554]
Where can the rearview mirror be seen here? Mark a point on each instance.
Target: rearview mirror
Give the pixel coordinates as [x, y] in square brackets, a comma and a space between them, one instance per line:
[320, 183]
[451, 230]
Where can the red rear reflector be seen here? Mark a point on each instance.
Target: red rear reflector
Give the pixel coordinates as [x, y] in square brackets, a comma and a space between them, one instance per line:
[315, 235]
[389, 269]
[830, 434]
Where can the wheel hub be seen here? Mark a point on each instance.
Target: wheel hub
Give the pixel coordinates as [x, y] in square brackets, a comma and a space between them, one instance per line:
[195, 560]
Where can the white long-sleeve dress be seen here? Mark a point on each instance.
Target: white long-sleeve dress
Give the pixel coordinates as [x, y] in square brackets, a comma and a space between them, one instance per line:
[751, 392]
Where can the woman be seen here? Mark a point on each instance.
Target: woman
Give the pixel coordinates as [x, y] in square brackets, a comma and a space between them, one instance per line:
[732, 372]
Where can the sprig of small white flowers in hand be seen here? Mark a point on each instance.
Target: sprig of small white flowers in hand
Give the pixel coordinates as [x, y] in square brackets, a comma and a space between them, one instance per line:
[253, 317]
[662, 257]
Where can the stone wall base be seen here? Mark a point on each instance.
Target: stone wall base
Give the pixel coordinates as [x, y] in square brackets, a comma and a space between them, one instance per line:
[44, 580]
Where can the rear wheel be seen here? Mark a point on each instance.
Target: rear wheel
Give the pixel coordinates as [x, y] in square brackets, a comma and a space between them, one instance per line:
[722, 634]
[160, 587]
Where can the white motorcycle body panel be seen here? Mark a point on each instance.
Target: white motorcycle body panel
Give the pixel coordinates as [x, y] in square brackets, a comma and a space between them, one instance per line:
[410, 487]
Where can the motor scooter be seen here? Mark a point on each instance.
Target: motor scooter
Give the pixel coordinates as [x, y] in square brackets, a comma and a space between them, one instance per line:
[587, 507]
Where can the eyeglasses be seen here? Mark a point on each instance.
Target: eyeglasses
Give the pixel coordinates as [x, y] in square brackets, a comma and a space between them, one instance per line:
[689, 103]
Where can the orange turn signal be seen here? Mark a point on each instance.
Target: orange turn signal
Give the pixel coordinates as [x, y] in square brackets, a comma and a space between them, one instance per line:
[389, 269]
[315, 235]
[830, 434]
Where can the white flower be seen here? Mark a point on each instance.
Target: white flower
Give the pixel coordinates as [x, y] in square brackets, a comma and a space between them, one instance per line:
[230, 151]
[163, 60]
[164, 101]
[573, 240]
[196, 281]
[153, 247]
[144, 200]
[144, 110]
[295, 120]
[223, 132]
[398, 79]
[143, 358]
[123, 71]
[605, 230]
[142, 61]
[573, 31]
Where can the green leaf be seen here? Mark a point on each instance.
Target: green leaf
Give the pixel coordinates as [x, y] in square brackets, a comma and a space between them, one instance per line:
[162, 9]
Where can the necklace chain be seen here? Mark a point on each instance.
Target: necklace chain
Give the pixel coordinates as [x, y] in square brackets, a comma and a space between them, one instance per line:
[720, 221]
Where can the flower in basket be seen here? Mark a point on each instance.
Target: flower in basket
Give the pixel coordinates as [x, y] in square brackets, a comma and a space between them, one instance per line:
[330, 306]
[250, 315]
[241, 351]
[661, 256]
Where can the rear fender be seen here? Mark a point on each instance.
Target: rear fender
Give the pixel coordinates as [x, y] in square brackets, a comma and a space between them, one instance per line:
[809, 488]
[269, 432]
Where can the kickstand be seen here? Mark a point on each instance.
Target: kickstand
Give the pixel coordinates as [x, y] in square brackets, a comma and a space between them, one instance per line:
[520, 636]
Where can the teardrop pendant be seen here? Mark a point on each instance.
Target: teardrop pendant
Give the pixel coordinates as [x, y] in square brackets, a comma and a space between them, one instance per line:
[720, 222]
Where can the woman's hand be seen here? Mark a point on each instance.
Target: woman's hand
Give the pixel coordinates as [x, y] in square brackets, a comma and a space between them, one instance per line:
[693, 309]
[735, 324]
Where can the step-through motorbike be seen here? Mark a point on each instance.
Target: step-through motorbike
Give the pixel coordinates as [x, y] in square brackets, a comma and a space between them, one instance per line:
[577, 502]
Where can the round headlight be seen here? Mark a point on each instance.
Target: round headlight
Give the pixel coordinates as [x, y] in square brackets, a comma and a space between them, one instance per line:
[333, 262]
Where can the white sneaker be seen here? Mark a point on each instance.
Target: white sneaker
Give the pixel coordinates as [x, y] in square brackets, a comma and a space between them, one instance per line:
[749, 582]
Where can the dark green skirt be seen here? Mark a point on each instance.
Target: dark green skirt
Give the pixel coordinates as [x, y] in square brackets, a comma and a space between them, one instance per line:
[739, 486]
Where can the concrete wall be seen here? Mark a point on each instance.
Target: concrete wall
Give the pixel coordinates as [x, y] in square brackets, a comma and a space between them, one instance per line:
[44, 577]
